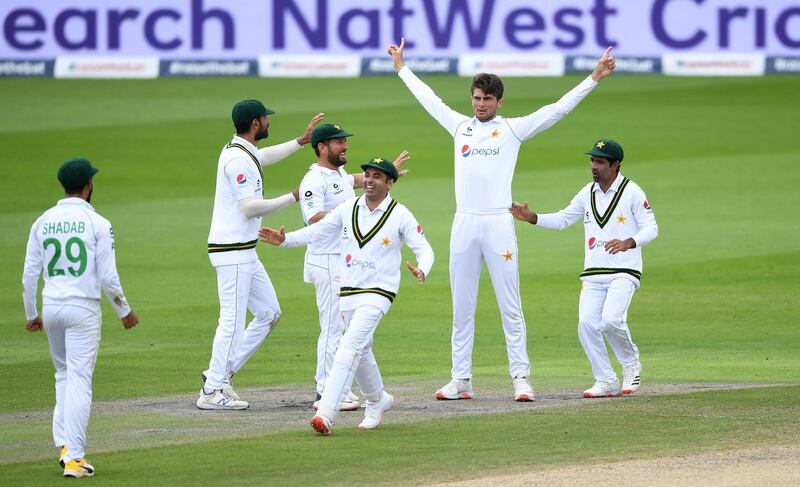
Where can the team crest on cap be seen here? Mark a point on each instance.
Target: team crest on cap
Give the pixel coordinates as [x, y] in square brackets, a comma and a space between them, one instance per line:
[600, 144]
[241, 179]
[337, 127]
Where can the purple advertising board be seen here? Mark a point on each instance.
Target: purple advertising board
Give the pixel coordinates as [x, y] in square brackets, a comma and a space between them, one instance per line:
[245, 29]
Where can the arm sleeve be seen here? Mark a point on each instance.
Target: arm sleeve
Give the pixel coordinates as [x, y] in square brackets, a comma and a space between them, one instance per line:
[416, 241]
[565, 217]
[312, 196]
[330, 225]
[271, 155]
[30, 273]
[446, 116]
[545, 117]
[252, 207]
[242, 175]
[645, 219]
[106, 262]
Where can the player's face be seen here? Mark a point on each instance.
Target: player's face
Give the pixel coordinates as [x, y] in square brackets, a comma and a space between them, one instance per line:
[376, 183]
[337, 151]
[485, 106]
[603, 170]
[263, 128]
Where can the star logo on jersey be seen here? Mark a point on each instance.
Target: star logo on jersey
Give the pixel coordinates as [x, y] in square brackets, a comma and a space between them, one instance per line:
[600, 144]
[241, 179]
[385, 241]
[495, 134]
[508, 256]
[621, 219]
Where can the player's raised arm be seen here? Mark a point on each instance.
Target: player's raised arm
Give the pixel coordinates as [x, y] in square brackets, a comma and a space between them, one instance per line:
[605, 65]
[446, 116]
[271, 155]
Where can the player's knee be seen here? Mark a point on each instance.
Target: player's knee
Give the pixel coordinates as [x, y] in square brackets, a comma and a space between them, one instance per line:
[609, 322]
[586, 325]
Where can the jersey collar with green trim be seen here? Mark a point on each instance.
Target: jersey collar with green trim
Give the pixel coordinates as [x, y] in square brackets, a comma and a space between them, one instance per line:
[386, 206]
[618, 186]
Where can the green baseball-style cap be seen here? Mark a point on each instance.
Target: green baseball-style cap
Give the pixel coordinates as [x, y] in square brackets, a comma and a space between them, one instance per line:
[247, 110]
[76, 173]
[382, 164]
[607, 148]
[327, 131]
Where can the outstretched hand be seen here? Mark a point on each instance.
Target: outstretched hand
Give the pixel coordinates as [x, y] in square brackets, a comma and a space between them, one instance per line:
[272, 236]
[397, 53]
[605, 65]
[417, 273]
[399, 161]
[306, 137]
[523, 213]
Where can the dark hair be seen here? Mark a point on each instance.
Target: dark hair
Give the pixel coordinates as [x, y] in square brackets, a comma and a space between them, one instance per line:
[73, 190]
[490, 84]
[316, 147]
[243, 127]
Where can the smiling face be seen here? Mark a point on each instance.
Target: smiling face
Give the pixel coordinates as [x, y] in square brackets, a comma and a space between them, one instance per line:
[334, 151]
[376, 184]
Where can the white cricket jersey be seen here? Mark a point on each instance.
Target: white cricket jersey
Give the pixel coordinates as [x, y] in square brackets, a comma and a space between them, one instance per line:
[73, 247]
[232, 238]
[370, 248]
[620, 213]
[324, 189]
[485, 153]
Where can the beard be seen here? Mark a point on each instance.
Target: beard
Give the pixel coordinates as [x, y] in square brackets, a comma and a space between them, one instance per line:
[335, 161]
[262, 134]
[89, 198]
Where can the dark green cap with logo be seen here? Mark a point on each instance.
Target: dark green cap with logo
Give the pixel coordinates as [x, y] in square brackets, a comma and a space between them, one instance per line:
[327, 131]
[246, 111]
[382, 164]
[607, 148]
[76, 173]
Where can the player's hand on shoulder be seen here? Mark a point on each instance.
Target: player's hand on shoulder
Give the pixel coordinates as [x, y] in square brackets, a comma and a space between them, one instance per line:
[34, 324]
[272, 236]
[130, 320]
[417, 273]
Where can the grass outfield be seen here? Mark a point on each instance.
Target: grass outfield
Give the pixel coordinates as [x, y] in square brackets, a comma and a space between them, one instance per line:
[718, 303]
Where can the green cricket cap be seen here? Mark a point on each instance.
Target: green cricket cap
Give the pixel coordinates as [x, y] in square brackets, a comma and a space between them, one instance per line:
[247, 110]
[607, 148]
[76, 173]
[382, 164]
[327, 131]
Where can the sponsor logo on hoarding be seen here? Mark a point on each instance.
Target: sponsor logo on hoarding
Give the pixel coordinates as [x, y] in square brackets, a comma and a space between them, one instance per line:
[714, 64]
[106, 67]
[13, 67]
[783, 65]
[512, 64]
[209, 68]
[384, 65]
[587, 64]
[309, 66]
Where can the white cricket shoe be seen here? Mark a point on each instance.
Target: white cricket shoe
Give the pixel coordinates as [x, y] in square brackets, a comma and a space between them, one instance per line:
[455, 389]
[603, 389]
[218, 400]
[631, 378]
[227, 385]
[523, 392]
[322, 425]
[376, 410]
[350, 403]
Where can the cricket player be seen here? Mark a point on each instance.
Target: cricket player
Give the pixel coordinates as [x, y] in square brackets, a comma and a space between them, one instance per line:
[485, 148]
[618, 221]
[73, 248]
[242, 282]
[325, 186]
[372, 229]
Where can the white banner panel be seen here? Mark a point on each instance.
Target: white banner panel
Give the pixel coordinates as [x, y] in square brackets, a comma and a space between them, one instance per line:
[299, 66]
[106, 67]
[716, 64]
[511, 64]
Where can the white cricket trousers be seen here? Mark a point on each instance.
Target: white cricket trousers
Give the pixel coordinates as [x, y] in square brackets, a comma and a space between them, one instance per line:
[476, 238]
[240, 287]
[324, 272]
[603, 311]
[74, 336]
[354, 358]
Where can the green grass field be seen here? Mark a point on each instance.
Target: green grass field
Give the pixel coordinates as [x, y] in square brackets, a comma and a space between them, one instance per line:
[718, 304]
